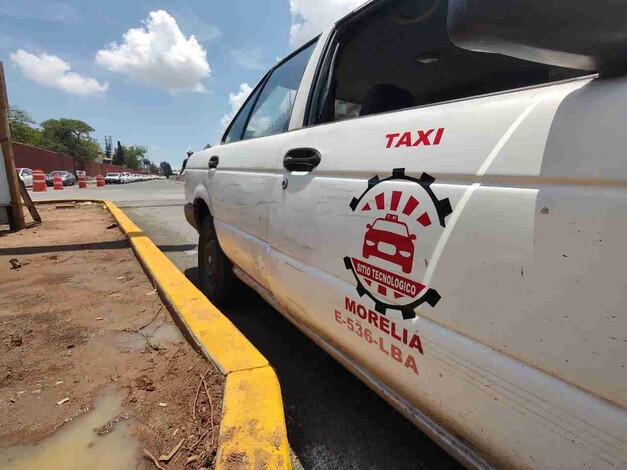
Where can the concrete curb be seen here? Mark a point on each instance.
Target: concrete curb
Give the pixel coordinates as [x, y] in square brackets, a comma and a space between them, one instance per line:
[252, 429]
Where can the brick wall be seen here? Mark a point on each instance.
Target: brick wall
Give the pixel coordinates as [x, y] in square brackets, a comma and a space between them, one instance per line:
[35, 158]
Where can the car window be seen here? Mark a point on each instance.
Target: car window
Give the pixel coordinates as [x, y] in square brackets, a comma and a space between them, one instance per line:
[400, 56]
[236, 129]
[273, 109]
[393, 227]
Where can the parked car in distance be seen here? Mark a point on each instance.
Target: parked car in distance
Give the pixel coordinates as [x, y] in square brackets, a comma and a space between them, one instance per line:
[48, 179]
[67, 178]
[26, 175]
[126, 177]
[444, 180]
[113, 178]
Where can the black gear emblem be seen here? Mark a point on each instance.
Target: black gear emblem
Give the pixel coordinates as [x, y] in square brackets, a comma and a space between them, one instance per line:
[443, 209]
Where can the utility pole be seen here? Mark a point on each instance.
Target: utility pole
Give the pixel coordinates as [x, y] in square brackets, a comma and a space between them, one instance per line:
[17, 212]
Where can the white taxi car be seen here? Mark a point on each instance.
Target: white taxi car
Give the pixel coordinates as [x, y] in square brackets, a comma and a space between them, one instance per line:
[26, 175]
[435, 192]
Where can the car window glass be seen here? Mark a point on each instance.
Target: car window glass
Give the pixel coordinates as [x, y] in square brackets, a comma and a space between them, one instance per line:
[236, 130]
[400, 56]
[393, 227]
[274, 107]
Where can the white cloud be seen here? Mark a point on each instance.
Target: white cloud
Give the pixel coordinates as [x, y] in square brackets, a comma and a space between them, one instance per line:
[51, 71]
[236, 100]
[159, 55]
[310, 17]
[251, 59]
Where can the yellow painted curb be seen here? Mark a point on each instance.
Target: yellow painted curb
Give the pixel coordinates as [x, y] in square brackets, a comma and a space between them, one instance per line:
[252, 440]
[252, 430]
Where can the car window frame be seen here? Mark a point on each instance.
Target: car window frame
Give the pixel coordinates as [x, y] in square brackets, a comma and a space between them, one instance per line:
[262, 83]
[252, 96]
[323, 73]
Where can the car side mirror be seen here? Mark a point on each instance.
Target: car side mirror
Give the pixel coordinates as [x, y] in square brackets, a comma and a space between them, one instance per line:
[412, 236]
[368, 226]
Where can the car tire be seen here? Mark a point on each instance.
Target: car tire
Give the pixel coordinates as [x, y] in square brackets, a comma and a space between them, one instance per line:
[215, 271]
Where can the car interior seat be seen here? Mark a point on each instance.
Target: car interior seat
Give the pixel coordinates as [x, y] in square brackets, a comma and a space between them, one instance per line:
[385, 97]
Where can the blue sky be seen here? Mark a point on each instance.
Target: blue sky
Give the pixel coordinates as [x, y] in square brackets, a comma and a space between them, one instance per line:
[156, 86]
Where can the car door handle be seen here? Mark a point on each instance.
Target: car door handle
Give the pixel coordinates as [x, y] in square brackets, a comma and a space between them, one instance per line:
[301, 159]
[213, 162]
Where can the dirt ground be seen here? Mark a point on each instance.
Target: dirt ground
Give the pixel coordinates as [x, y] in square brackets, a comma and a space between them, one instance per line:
[78, 316]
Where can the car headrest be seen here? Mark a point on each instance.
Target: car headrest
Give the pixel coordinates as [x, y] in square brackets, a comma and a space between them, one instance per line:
[385, 97]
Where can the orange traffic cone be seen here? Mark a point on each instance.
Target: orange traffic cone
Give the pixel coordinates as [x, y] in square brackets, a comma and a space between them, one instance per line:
[100, 181]
[81, 181]
[39, 181]
[56, 182]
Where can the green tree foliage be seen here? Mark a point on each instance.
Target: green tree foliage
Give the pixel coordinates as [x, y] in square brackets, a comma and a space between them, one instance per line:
[132, 155]
[166, 169]
[108, 147]
[118, 155]
[22, 127]
[70, 136]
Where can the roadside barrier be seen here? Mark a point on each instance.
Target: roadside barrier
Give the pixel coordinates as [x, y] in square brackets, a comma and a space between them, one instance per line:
[100, 181]
[57, 183]
[82, 183]
[39, 181]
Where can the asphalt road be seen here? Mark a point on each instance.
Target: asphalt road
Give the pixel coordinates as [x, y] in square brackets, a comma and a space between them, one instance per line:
[334, 421]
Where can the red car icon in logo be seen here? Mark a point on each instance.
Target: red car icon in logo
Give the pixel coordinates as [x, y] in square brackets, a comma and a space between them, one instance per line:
[390, 240]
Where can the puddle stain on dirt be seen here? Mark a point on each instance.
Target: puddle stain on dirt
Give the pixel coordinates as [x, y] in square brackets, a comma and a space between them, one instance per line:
[77, 444]
[158, 334]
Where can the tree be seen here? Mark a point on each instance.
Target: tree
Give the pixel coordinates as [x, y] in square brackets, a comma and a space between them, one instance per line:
[154, 169]
[166, 169]
[118, 155]
[108, 147]
[70, 136]
[133, 154]
[21, 125]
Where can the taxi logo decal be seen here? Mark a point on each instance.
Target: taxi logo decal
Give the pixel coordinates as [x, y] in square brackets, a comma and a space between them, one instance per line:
[400, 214]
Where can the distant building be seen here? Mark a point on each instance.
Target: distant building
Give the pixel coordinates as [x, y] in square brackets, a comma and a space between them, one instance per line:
[144, 165]
[101, 158]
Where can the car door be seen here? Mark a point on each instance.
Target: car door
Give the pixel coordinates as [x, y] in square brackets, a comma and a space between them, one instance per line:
[415, 244]
[247, 165]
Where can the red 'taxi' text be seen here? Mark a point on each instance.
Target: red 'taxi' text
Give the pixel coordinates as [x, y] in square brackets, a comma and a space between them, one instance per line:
[405, 139]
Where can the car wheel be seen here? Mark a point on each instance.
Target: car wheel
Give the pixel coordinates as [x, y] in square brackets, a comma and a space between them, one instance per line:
[214, 268]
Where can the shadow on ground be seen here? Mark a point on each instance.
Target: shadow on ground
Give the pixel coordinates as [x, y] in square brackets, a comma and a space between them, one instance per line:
[351, 428]
[31, 250]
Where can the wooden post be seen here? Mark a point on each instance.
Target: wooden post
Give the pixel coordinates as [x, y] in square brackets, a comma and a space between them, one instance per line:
[17, 212]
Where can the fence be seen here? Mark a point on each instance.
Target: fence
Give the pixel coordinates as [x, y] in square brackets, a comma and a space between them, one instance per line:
[27, 156]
